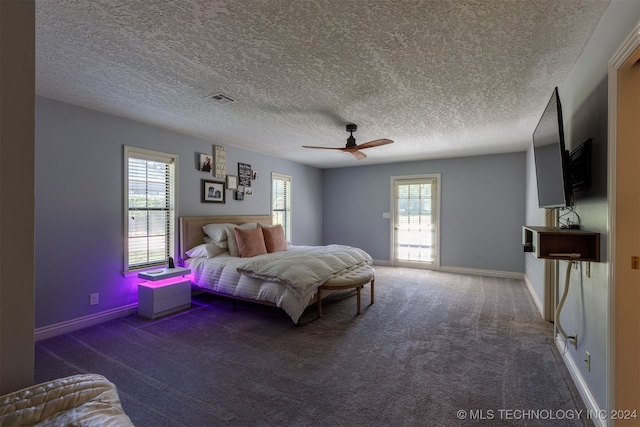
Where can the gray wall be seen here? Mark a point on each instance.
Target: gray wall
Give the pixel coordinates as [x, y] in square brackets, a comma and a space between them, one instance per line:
[584, 101]
[79, 203]
[482, 209]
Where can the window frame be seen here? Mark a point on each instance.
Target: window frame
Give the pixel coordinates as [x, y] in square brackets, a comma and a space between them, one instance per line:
[163, 157]
[276, 176]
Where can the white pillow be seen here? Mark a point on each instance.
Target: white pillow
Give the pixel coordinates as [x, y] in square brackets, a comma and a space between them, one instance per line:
[231, 236]
[205, 250]
[216, 233]
[223, 244]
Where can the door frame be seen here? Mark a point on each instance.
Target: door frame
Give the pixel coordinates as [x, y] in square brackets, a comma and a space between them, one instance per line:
[392, 249]
[623, 212]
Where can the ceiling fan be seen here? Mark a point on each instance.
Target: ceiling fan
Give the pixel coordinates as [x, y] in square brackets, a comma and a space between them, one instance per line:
[352, 147]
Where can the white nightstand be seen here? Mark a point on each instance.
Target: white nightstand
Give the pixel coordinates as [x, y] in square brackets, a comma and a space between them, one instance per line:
[165, 291]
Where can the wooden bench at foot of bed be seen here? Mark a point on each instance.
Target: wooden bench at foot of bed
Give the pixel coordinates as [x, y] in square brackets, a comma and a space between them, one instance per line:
[355, 279]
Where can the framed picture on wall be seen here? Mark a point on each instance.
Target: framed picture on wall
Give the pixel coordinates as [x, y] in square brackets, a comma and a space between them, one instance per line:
[220, 160]
[232, 182]
[205, 164]
[244, 174]
[212, 192]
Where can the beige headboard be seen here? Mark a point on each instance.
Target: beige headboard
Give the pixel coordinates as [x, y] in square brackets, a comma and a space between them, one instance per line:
[191, 233]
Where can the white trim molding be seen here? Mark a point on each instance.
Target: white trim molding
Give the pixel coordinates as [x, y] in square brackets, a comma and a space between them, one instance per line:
[83, 322]
[479, 272]
[461, 270]
[535, 298]
[594, 412]
[618, 60]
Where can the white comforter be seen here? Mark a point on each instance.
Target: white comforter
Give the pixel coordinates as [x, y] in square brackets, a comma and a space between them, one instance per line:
[287, 279]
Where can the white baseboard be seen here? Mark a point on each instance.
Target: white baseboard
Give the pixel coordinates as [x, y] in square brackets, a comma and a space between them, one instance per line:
[535, 298]
[462, 270]
[587, 397]
[478, 272]
[83, 322]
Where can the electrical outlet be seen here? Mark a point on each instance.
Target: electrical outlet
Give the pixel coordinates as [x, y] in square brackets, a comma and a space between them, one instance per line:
[94, 299]
[587, 360]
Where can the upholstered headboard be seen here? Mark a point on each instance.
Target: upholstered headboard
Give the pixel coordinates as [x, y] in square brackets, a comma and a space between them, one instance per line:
[191, 233]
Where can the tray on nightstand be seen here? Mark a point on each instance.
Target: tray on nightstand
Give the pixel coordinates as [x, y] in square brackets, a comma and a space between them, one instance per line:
[164, 273]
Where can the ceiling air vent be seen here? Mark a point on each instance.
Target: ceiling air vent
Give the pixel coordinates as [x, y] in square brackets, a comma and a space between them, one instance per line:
[220, 98]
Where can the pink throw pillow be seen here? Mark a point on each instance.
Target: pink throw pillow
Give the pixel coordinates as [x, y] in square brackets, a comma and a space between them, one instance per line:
[274, 238]
[250, 242]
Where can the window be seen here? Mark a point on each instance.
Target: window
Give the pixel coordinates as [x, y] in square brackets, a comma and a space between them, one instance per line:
[150, 207]
[281, 202]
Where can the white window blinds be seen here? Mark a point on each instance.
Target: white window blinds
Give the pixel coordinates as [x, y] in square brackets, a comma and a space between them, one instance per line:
[281, 202]
[150, 208]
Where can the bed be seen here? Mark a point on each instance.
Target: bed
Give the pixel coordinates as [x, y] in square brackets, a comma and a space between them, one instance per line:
[246, 258]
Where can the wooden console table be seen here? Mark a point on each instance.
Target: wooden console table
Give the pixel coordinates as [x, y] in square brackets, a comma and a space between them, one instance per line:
[561, 243]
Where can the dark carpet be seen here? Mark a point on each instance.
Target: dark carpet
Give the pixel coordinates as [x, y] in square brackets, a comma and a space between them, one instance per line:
[436, 349]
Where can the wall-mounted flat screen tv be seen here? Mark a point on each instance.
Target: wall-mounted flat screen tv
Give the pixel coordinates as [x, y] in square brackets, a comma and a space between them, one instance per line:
[552, 160]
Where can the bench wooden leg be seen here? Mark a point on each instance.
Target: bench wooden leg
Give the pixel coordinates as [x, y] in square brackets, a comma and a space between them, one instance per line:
[372, 291]
[358, 288]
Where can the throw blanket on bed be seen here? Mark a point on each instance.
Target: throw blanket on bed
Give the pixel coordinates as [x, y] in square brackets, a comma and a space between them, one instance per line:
[308, 267]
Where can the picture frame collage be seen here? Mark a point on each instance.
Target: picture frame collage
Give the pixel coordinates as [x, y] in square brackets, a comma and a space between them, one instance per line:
[214, 190]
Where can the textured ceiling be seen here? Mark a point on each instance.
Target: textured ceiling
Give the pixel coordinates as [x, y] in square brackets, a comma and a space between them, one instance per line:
[442, 78]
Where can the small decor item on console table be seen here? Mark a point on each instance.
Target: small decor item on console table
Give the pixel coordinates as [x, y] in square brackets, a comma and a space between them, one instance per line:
[165, 291]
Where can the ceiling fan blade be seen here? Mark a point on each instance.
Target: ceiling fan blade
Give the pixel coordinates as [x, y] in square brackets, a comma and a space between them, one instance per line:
[358, 154]
[323, 148]
[352, 147]
[375, 143]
